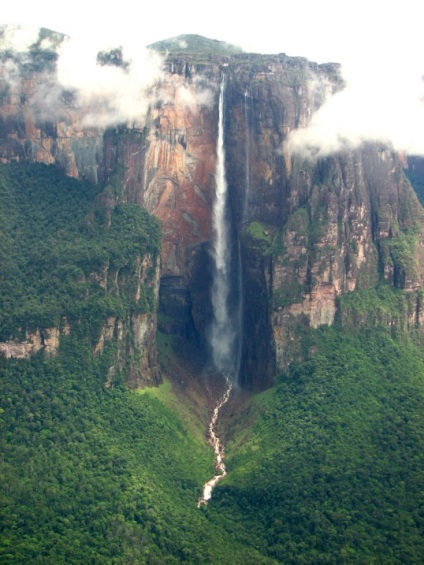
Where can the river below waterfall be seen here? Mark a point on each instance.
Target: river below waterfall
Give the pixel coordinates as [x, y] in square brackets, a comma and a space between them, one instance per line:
[217, 447]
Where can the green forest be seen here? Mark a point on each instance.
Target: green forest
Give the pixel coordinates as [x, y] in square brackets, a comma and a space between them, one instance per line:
[332, 472]
[58, 235]
[325, 467]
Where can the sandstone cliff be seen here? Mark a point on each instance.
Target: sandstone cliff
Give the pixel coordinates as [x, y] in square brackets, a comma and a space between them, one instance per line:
[309, 231]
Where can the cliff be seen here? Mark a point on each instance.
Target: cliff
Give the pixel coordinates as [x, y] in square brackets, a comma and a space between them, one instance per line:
[76, 268]
[309, 231]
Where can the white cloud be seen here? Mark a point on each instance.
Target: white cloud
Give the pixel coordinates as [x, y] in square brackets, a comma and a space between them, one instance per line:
[199, 94]
[104, 95]
[378, 43]
[18, 38]
[383, 101]
[108, 95]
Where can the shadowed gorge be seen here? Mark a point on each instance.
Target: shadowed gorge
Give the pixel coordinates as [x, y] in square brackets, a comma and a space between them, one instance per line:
[188, 277]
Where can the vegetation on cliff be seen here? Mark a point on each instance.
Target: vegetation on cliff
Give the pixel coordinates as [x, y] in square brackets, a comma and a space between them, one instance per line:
[63, 247]
[326, 467]
[41, 55]
[89, 473]
[195, 44]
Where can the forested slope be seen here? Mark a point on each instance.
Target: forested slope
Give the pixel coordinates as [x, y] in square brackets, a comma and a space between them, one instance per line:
[332, 472]
[324, 467]
[91, 471]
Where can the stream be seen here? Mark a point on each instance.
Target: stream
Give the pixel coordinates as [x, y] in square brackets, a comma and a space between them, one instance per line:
[217, 447]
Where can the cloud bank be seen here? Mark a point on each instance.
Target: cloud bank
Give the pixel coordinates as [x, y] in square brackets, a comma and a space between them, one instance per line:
[103, 94]
[18, 38]
[108, 94]
[102, 84]
[383, 101]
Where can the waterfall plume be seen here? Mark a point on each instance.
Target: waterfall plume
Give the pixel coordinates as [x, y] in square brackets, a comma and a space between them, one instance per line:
[226, 328]
[226, 300]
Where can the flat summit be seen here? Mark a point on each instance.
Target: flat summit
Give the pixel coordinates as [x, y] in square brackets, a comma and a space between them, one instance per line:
[192, 43]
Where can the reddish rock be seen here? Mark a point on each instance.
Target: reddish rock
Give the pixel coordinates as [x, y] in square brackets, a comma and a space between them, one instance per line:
[332, 221]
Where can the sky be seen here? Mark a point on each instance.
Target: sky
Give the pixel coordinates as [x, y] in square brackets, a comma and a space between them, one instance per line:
[379, 44]
[326, 30]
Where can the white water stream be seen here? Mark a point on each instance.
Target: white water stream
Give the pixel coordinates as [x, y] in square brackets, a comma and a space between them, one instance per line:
[225, 330]
[217, 447]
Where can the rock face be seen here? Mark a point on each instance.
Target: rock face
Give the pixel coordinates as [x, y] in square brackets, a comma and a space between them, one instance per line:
[359, 208]
[46, 340]
[27, 134]
[178, 187]
[134, 335]
[309, 232]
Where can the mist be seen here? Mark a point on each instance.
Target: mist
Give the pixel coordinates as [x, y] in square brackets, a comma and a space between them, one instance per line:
[382, 101]
[108, 94]
[99, 83]
[103, 93]
[18, 38]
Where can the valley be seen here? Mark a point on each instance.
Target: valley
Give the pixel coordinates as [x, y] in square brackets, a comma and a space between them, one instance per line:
[156, 271]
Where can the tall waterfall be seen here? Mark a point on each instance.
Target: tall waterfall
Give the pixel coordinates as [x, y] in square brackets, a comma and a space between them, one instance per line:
[225, 331]
[226, 299]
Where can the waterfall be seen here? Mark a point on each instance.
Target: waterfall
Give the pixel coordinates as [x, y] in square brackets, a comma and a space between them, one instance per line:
[224, 331]
[226, 328]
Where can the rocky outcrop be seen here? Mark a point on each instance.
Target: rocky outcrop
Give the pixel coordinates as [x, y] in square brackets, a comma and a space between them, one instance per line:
[350, 233]
[135, 339]
[329, 227]
[134, 335]
[46, 340]
[131, 332]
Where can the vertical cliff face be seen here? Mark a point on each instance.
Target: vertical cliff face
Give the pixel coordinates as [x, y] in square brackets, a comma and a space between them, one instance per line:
[360, 208]
[178, 187]
[29, 134]
[309, 231]
[267, 98]
[77, 270]
[134, 333]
